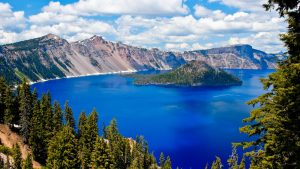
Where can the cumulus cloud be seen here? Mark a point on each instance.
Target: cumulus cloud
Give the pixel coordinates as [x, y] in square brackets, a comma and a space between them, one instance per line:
[132, 7]
[10, 20]
[246, 5]
[201, 11]
[136, 24]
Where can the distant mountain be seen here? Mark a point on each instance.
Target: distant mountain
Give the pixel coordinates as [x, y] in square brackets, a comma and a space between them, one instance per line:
[193, 73]
[51, 57]
[236, 57]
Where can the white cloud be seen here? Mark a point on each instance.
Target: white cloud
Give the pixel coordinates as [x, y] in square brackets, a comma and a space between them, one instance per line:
[246, 5]
[177, 46]
[132, 7]
[205, 29]
[201, 11]
[10, 20]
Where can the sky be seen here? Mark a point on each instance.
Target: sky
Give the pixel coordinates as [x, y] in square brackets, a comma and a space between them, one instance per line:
[176, 25]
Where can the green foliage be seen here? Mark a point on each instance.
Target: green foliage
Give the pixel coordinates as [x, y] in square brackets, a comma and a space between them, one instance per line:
[70, 121]
[194, 73]
[162, 160]
[167, 164]
[3, 87]
[25, 109]
[57, 117]
[17, 157]
[242, 164]
[217, 164]
[63, 150]
[7, 72]
[275, 123]
[120, 146]
[233, 159]
[28, 163]
[101, 155]
[38, 135]
[6, 150]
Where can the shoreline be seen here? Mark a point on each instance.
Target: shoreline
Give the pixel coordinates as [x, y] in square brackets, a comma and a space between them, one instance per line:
[114, 72]
[85, 75]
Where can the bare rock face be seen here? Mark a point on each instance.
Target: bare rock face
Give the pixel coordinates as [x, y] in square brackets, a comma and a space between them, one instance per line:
[51, 57]
[234, 57]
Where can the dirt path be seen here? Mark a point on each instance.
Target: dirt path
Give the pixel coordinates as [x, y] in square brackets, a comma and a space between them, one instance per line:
[9, 138]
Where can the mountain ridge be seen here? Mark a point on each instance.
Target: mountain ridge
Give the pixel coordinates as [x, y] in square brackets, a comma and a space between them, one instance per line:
[51, 56]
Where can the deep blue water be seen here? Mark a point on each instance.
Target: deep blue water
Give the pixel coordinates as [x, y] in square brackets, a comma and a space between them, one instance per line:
[192, 125]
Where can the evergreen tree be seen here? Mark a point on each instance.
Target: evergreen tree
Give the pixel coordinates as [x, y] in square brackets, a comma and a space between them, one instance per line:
[92, 129]
[233, 159]
[101, 156]
[57, 117]
[217, 164]
[38, 137]
[25, 109]
[63, 150]
[243, 163]
[28, 163]
[88, 133]
[47, 112]
[120, 146]
[17, 157]
[69, 116]
[83, 134]
[9, 103]
[3, 87]
[135, 164]
[167, 164]
[161, 160]
[275, 124]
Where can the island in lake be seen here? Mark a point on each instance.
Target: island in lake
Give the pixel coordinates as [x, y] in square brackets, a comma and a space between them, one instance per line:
[193, 73]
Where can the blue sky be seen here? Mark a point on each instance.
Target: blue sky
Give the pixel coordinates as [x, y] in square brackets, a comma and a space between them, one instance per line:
[166, 24]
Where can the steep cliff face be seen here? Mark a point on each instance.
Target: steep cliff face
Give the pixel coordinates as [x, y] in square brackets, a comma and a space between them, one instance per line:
[51, 57]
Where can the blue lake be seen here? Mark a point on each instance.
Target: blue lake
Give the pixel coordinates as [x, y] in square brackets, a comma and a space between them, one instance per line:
[191, 125]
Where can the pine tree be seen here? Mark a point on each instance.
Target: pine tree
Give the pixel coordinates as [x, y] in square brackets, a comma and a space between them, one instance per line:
[9, 103]
[120, 146]
[233, 159]
[217, 164]
[25, 109]
[69, 116]
[3, 87]
[84, 152]
[275, 124]
[17, 157]
[38, 137]
[47, 112]
[167, 164]
[63, 150]
[161, 160]
[88, 133]
[92, 128]
[243, 163]
[135, 164]
[101, 155]
[57, 117]
[28, 163]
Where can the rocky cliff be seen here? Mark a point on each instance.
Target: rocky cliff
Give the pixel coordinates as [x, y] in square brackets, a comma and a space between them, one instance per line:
[51, 57]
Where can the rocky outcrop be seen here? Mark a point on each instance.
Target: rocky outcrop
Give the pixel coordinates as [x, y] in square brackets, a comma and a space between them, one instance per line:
[51, 57]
